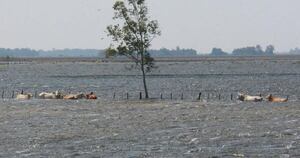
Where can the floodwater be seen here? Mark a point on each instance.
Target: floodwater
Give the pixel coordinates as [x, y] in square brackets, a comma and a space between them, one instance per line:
[43, 128]
[280, 77]
[108, 127]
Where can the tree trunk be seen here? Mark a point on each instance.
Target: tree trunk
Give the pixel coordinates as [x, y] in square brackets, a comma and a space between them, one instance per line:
[144, 74]
[144, 82]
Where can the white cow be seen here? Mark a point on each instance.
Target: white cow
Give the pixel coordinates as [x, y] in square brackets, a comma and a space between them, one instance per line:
[24, 96]
[53, 95]
[244, 97]
[74, 96]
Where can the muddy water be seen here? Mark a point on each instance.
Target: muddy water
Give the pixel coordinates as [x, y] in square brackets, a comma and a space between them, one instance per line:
[40, 128]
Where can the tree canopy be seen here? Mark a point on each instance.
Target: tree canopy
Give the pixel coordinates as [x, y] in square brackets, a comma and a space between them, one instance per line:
[133, 38]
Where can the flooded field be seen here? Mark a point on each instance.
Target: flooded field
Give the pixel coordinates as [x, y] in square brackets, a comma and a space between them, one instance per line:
[155, 128]
[148, 129]
[276, 76]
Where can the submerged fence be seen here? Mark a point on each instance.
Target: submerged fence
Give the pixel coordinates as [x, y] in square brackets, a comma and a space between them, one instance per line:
[176, 96]
[201, 96]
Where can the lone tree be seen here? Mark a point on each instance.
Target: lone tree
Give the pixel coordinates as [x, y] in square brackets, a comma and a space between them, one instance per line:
[132, 35]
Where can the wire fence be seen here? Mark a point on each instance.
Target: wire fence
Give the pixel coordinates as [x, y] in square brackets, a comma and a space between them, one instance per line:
[201, 96]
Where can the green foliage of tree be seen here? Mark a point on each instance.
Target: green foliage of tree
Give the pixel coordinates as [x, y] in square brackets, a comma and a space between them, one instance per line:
[132, 34]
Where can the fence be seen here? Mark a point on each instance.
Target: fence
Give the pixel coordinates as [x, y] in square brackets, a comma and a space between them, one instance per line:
[207, 96]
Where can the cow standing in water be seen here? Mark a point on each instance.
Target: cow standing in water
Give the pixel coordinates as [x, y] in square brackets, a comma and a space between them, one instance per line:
[91, 96]
[74, 96]
[23, 96]
[271, 98]
[53, 95]
[244, 97]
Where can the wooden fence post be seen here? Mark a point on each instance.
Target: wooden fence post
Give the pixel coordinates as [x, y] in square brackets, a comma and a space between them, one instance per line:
[171, 95]
[199, 97]
[231, 96]
[127, 96]
[161, 96]
[114, 95]
[181, 96]
[141, 97]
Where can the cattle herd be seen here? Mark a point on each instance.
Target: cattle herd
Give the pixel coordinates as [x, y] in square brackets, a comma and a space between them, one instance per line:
[270, 98]
[92, 96]
[57, 95]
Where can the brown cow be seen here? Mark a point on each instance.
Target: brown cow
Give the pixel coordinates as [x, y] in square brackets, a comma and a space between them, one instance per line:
[271, 98]
[91, 96]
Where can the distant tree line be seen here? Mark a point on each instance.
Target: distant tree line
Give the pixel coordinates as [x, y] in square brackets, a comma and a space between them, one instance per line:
[72, 53]
[218, 52]
[23, 52]
[257, 50]
[26, 52]
[294, 51]
[246, 51]
[178, 52]
[163, 52]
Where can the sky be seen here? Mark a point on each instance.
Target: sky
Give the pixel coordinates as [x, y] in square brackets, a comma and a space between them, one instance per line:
[197, 24]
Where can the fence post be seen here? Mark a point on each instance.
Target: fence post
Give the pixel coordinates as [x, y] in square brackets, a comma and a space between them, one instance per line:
[3, 93]
[141, 97]
[231, 96]
[219, 96]
[161, 96]
[127, 96]
[171, 95]
[199, 97]
[181, 96]
[208, 96]
[35, 94]
[114, 95]
[13, 94]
